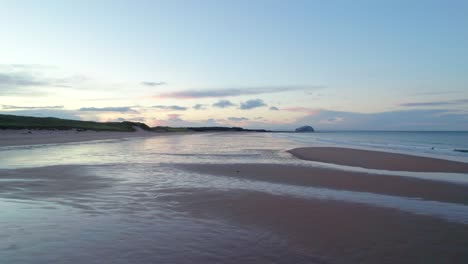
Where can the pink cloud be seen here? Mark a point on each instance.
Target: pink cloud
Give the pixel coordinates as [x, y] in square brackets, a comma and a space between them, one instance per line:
[229, 92]
[174, 117]
[331, 121]
[305, 110]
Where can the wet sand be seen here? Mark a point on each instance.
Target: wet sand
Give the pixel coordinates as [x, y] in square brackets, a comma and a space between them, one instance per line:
[337, 232]
[313, 230]
[378, 160]
[50, 181]
[340, 180]
[9, 137]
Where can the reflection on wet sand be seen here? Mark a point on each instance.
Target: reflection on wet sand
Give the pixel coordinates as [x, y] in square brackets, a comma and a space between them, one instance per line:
[169, 200]
[334, 231]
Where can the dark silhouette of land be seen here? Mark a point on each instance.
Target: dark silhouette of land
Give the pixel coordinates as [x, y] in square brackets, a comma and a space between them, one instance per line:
[51, 123]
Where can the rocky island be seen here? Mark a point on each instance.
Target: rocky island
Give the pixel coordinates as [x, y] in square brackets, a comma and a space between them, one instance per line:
[304, 129]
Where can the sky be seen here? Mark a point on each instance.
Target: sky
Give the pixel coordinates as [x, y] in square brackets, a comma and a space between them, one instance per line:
[334, 65]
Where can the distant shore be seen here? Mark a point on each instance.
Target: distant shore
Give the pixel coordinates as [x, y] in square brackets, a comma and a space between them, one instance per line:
[22, 137]
[19, 137]
[378, 160]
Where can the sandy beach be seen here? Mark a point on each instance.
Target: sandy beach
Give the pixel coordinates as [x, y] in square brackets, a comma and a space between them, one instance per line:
[12, 137]
[378, 160]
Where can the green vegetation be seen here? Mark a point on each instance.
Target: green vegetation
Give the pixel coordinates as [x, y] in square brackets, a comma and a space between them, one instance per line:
[204, 129]
[224, 129]
[51, 123]
[27, 122]
[169, 129]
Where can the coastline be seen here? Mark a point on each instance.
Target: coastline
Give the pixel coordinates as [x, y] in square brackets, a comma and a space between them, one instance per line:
[378, 160]
[21, 137]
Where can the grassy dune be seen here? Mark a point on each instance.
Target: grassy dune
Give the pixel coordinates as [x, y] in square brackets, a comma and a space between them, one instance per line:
[27, 122]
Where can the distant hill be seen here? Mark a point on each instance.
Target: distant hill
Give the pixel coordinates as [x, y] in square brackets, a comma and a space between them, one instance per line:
[205, 129]
[303, 129]
[49, 123]
[28, 122]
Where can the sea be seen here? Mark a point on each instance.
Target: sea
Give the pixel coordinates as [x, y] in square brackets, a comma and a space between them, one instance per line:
[128, 201]
[451, 145]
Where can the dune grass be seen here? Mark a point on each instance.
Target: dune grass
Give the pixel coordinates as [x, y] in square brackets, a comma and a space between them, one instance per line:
[27, 122]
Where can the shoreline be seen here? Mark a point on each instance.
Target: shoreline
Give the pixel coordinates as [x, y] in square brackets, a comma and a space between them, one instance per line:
[378, 160]
[23, 137]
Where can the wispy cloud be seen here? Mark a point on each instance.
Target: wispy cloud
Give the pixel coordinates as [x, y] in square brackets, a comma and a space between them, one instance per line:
[199, 107]
[58, 113]
[437, 92]
[171, 107]
[152, 84]
[274, 108]
[123, 109]
[436, 103]
[332, 120]
[18, 79]
[223, 104]
[251, 104]
[174, 117]
[430, 119]
[132, 119]
[305, 110]
[227, 92]
[16, 107]
[176, 120]
[237, 119]
[29, 79]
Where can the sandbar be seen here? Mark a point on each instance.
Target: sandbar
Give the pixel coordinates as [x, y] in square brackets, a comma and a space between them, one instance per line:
[378, 160]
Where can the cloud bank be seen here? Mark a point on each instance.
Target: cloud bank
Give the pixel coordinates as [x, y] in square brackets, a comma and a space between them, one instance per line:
[228, 92]
[237, 119]
[436, 103]
[15, 107]
[432, 119]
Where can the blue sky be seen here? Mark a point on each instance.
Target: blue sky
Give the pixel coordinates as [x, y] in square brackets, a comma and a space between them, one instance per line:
[278, 63]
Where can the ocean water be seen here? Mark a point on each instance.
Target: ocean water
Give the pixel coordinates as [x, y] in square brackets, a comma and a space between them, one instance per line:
[127, 201]
[442, 144]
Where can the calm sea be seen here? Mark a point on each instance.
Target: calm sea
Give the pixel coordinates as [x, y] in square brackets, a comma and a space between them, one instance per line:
[446, 144]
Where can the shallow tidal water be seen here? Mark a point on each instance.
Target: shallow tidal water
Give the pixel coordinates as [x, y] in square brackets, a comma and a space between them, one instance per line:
[126, 201]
